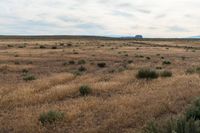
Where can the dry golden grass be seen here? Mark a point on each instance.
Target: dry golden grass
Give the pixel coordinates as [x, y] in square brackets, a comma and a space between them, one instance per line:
[119, 102]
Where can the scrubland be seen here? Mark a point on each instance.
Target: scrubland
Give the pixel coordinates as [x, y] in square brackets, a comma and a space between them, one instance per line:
[91, 85]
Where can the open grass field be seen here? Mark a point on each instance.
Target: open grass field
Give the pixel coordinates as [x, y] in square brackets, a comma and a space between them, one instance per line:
[93, 85]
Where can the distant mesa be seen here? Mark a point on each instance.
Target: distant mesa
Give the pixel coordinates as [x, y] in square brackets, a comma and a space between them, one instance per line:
[138, 36]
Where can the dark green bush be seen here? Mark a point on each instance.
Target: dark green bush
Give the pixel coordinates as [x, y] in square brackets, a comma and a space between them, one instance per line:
[42, 47]
[82, 69]
[102, 64]
[51, 117]
[190, 71]
[54, 47]
[147, 74]
[71, 62]
[130, 61]
[84, 90]
[29, 77]
[189, 123]
[24, 70]
[166, 62]
[148, 58]
[166, 73]
[81, 62]
[194, 111]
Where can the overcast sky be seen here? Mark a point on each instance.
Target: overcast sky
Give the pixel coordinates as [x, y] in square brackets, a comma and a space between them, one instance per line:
[151, 18]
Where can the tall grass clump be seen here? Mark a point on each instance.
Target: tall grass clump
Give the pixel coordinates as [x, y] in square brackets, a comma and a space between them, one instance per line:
[147, 74]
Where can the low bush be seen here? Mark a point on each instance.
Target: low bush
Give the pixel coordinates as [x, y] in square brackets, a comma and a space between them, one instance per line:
[80, 62]
[42, 47]
[71, 62]
[166, 62]
[54, 47]
[84, 90]
[82, 69]
[147, 74]
[29, 77]
[101, 65]
[51, 117]
[166, 73]
[189, 123]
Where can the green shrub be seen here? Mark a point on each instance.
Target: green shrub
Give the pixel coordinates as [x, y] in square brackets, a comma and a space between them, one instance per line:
[148, 58]
[51, 117]
[29, 77]
[190, 71]
[84, 90]
[198, 69]
[193, 70]
[189, 123]
[71, 62]
[42, 47]
[102, 64]
[147, 74]
[130, 61]
[159, 68]
[166, 74]
[24, 70]
[54, 47]
[82, 69]
[194, 111]
[81, 62]
[166, 62]
[17, 62]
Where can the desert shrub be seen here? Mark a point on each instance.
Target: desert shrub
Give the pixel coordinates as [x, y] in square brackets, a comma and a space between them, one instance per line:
[162, 57]
[10, 45]
[147, 74]
[166, 73]
[81, 62]
[29, 77]
[101, 65]
[159, 67]
[42, 47]
[24, 70]
[51, 117]
[21, 46]
[126, 55]
[17, 62]
[190, 71]
[62, 44]
[75, 53]
[194, 111]
[183, 57]
[69, 44]
[166, 62]
[54, 47]
[198, 69]
[84, 90]
[82, 69]
[193, 70]
[148, 58]
[130, 61]
[71, 62]
[188, 123]
[175, 126]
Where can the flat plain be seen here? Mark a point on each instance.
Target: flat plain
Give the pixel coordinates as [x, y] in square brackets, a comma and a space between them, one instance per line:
[42, 75]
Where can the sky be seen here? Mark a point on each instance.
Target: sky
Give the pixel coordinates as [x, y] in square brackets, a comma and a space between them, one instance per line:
[150, 18]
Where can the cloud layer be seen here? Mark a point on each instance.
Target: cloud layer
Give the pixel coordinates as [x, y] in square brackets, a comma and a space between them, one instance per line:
[152, 18]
